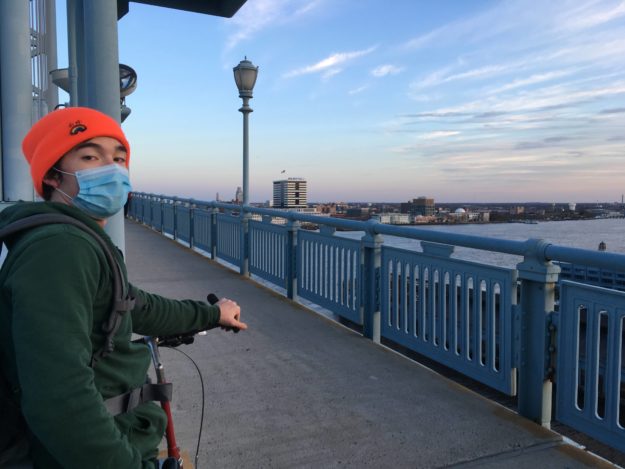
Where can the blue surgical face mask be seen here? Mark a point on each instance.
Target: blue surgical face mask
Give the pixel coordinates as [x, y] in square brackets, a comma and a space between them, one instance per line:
[102, 191]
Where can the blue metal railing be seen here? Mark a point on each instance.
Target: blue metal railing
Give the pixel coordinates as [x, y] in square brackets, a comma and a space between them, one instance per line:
[229, 238]
[593, 276]
[183, 224]
[169, 220]
[268, 251]
[455, 312]
[590, 363]
[493, 324]
[328, 273]
[201, 235]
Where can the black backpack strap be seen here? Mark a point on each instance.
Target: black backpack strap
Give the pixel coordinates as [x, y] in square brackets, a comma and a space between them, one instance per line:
[122, 302]
[148, 392]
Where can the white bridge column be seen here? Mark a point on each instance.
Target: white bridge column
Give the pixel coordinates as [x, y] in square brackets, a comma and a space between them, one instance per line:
[15, 98]
[101, 59]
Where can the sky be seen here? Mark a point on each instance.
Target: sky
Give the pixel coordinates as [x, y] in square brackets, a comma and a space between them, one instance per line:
[377, 100]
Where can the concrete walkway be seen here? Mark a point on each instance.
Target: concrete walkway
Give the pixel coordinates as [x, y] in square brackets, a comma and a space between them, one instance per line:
[298, 390]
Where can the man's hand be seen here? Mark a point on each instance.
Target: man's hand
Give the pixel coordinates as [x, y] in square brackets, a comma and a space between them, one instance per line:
[230, 314]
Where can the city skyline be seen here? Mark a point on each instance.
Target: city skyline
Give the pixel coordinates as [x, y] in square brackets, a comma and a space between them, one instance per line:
[490, 101]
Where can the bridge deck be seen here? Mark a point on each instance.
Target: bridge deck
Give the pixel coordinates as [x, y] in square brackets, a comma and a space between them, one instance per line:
[298, 390]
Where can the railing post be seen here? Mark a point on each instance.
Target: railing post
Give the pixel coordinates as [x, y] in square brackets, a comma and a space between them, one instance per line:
[151, 198]
[154, 208]
[538, 282]
[244, 267]
[371, 248]
[162, 208]
[174, 202]
[213, 228]
[148, 221]
[292, 228]
[191, 224]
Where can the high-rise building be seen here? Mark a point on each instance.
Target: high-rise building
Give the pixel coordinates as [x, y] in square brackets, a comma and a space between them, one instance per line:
[419, 206]
[238, 196]
[290, 193]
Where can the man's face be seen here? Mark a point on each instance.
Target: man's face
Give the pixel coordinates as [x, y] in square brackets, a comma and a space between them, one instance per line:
[99, 151]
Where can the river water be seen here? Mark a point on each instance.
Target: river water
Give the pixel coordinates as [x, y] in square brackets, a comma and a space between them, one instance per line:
[585, 234]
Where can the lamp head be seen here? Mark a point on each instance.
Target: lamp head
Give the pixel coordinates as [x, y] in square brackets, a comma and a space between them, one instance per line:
[245, 77]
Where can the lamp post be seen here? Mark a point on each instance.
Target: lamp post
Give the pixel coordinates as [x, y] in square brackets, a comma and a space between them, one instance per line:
[245, 77]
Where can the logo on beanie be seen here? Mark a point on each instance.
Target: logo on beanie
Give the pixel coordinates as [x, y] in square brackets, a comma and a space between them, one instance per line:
[76, 128]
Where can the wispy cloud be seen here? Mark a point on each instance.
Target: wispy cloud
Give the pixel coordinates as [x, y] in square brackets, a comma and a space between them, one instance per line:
[550, 65]
[531, 80]
[384, 70]
[331, 72]
[358, 90]
[438, 134]
[330, 62]
[432, 79]
[556, 96]
[501, 18]
[443, 75]
[617, 110]
[585, 16]
[551, 103]
[259, 15]
[545, 143]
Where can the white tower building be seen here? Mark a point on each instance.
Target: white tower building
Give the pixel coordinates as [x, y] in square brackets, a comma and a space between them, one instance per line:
[290, 193]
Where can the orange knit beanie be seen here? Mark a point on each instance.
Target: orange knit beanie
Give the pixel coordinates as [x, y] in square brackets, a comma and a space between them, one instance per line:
[59, 131]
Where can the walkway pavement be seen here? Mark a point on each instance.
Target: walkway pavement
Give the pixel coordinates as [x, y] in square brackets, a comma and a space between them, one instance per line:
[298, 390]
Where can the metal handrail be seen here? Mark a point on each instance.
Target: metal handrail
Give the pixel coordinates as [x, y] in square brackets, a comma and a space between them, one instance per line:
[538, 249]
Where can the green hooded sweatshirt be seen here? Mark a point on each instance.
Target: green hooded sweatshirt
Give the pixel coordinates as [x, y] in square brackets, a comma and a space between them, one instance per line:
[56, 292]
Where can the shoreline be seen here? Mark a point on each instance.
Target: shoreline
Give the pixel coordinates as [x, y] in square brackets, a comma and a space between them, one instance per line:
[503, 222]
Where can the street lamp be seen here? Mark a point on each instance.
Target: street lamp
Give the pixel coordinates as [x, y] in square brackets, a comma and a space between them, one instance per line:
[245, 77]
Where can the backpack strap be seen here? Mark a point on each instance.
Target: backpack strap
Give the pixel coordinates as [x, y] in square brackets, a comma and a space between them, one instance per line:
[122, 302]
[129, 400]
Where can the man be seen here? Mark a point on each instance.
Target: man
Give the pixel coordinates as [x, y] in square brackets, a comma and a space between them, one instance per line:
[55, 297]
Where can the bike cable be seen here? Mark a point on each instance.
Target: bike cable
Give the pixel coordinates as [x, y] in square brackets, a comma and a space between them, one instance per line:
[199, 437]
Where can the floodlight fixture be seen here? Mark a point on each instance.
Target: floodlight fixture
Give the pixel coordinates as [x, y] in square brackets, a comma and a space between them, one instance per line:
[127, 79]
[127, 85]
